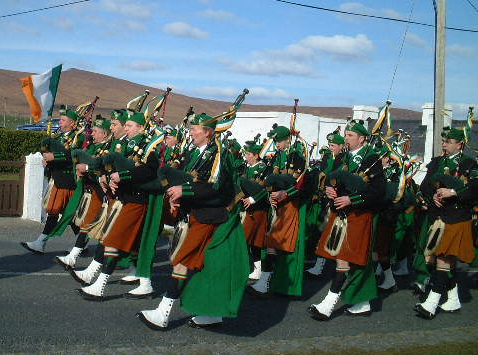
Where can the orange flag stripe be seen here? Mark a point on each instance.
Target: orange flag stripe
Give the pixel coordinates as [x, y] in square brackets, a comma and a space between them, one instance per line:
[27, 87]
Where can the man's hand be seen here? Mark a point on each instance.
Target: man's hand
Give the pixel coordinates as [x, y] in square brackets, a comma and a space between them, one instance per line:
[445, 193]
[246, 202]
[114, 181]
[277, 197]
[47, 157]
[342, 202]
[173, 207]
[438, 201]
[174, 193]
[331, 192]
[104, 183]
[81, 170]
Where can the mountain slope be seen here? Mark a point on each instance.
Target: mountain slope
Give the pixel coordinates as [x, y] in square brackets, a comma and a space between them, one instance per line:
[77, 86]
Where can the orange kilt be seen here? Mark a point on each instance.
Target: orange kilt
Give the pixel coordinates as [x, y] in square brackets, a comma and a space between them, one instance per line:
[125, 234]
[285, 231]
[93, 211]
[356, 246]
[457, 240]
[255, 228]
[191, 253]
[59, 198]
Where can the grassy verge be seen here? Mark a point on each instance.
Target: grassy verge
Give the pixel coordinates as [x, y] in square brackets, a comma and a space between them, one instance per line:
[8, 176]
[11, 122]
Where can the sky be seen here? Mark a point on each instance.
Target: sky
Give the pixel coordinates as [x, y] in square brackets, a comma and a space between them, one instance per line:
[215, 48]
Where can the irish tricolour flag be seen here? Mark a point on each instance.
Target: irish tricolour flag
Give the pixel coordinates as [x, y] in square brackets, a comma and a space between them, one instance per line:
[40, 91]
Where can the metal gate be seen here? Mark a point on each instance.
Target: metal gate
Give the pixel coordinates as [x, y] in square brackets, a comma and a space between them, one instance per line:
[11, 189]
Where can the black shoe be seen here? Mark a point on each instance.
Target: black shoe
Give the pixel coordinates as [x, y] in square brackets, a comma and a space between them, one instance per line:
[423, 313]
[88, 297]
[361, 314]
[25, 245]
[195, 325]
[315, 314]
[150, 325]
[132, 296]
[253, 292]
[73, 274]
[65, 266]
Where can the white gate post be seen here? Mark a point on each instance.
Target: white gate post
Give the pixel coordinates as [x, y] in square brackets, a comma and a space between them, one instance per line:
[33, 188]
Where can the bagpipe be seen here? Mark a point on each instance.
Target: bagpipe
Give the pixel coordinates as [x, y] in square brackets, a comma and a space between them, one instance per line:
[85, 114]
[183, 142]
[154, 118]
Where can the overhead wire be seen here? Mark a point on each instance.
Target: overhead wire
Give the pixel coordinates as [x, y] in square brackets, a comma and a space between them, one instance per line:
[401, 50]
[472, 5]
[44, 8]
[373, 16]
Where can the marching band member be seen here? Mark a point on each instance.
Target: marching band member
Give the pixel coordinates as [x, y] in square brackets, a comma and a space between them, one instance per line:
[203, 202]
[331, 160]
[125, 222]
[62, 182]
[90, 207]
[347, 238]
[256, 206]
[450, 187]
[285, 239]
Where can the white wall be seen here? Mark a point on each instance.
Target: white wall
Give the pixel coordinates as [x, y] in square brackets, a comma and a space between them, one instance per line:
[312, 128]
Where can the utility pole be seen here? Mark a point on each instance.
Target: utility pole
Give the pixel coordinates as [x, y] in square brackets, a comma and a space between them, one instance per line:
[440, 59]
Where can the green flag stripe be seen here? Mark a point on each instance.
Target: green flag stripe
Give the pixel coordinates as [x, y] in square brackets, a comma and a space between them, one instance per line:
[54, 81]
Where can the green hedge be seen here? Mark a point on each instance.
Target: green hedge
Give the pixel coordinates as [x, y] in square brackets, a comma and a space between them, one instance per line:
[14, 145]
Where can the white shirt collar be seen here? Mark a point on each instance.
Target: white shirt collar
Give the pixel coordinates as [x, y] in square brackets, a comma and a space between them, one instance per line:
[354, 152]
[453, 156]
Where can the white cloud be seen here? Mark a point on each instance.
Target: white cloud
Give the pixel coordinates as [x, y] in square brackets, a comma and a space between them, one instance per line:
[64, 23]
[460, 50]
[183, 29]
[360, 8]
[460, 110]
[415, 40]
[134, 26]
[218, 15]
[140, 65]
[269, 66]
[339, 46]
[299, 58]
[231, 93]
[263, 93]
[130, 8]
[17, 28]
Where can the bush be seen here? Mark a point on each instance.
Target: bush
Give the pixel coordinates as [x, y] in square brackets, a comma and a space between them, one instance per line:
[14, 145]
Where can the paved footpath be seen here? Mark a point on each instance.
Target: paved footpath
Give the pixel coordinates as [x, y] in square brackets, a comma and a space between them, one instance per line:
[40, 312]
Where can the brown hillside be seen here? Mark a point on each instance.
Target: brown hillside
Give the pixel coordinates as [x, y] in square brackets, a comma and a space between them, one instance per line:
[77, 86]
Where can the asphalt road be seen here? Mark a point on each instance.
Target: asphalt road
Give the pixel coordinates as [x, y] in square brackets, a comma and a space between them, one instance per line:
[40, 312]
